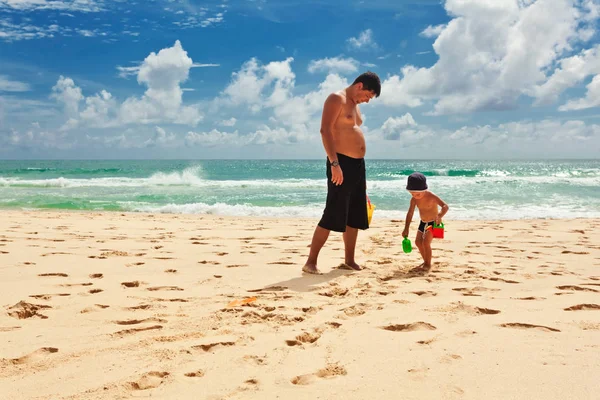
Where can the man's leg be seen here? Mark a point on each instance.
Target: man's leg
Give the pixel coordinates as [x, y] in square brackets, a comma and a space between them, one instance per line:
[318, 241]
[350, 247]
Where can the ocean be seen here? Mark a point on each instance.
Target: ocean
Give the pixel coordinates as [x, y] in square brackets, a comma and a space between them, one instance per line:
[297, 188]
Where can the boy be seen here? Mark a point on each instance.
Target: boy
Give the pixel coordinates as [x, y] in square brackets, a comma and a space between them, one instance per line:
[427, 203]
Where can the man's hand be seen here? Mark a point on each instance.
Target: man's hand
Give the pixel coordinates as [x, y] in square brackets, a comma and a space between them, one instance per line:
[405, 233]
[438, 220]
[337, 176]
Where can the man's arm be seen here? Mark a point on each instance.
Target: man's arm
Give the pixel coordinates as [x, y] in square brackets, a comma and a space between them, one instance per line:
[331, 110]
[409, 216]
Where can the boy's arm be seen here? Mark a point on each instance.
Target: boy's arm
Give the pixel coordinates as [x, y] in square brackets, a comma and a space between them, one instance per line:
[409, 216]
[444, 207]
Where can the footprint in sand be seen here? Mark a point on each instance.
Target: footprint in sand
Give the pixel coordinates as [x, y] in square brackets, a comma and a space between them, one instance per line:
[48, 296]
[581, 307]
[135, 264]
[136, 330]
[139, 321]
[171, 271]
[94, 291]
[96, 307]
[195, 374]
[210, 343]
[329, 371]
[473, 291]
[131, 284]
[425, 293]
[416, 326]
[149, 380]
[96, 276]
[306, 337]
[76, 284]
[54, 274]
[576, 288]
[24, 310]
[35, 356]
[157, 288]
[519, 325]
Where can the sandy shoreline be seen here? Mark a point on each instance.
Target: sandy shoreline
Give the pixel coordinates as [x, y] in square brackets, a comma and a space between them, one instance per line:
[120, 305]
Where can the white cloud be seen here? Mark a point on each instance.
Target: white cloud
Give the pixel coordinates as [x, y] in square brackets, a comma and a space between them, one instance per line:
[67, 93]
[540, 135]
[212, 138]
[251, 86]
[162, 73]
[591, 99]
[63, 5]
[160, 138]
[229, 122]
[392, 127]
[363, 41]
[34, 138]
[433, 31]
[572, 71]
[8, 85]
[263, 135]
[491, 53]
[334, 64]
[10, 31]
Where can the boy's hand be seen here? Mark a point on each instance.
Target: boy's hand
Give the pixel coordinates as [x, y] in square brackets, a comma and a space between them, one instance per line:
[438, 220]
[405, 233]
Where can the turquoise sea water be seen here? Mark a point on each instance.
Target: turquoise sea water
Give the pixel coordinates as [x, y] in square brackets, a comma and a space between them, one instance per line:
[297, 188]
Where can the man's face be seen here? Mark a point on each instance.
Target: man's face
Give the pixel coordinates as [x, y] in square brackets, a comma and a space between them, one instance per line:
[364, 96]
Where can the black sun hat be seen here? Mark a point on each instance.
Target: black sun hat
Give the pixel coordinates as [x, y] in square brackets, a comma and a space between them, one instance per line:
[416, 182]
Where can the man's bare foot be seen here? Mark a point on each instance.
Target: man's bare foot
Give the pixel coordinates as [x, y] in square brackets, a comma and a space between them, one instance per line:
[354, 266]
[311, 269]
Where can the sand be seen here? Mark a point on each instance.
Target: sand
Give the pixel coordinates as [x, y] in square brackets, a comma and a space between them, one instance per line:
[117, 306]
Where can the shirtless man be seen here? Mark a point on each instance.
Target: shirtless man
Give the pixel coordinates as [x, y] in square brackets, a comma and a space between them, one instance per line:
[427, 203]
[343, 140]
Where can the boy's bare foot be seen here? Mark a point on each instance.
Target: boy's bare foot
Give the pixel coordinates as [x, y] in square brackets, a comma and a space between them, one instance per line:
[354, 266]
[311, 269]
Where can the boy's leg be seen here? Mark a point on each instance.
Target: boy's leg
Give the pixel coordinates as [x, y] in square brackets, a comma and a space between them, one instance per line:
[419, 243]
[350, 247]
[318, 241]
[427, 239]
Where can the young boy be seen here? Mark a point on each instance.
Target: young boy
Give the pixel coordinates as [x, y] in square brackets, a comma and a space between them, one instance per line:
[427, 203]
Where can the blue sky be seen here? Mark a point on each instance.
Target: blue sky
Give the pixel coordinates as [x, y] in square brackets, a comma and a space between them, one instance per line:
[247, 78]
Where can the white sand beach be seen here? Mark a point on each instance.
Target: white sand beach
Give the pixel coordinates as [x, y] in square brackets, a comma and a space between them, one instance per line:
[118, 306]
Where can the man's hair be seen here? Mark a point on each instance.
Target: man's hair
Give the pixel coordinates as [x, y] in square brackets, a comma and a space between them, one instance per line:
[370, 81]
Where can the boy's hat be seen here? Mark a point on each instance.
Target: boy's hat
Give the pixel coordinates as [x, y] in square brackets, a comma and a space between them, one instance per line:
[416, 182]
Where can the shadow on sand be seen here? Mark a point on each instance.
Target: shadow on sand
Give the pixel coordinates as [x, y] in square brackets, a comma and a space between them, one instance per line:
[306, 282]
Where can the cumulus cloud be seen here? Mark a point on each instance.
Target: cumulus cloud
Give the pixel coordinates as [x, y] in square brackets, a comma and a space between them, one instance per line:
[271, 86]
[66, 92]
[571, 71]
[263, 135]
[162, 73]
[491, 53]
[433, 31]
[8, 85]
[333, 65]
[363, 41]
[229, 122]
[160, 138]
[501, 138]
[591, 99]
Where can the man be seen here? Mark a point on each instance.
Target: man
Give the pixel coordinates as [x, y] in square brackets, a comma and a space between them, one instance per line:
[346, 206]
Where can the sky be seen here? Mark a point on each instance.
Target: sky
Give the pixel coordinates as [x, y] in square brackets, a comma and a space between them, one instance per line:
[247, 79]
